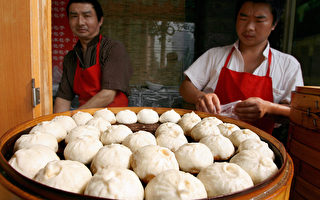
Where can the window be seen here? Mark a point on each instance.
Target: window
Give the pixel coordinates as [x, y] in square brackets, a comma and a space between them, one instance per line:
[306, 41]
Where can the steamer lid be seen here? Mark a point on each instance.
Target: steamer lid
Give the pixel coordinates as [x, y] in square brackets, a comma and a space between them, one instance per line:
[315, 90]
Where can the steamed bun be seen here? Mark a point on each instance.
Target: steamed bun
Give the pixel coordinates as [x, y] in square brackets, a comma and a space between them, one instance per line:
[188, 121]
[126, 117]
[115, 183]
[193, 157]
[147, 116]
[239, 136]
[149, 161]
[82, 149]
[28, 161]
[222, 178]
[115, 134]
[65, 121]
[170, 116]
[258, 145]
[112, 155]
[174, 184]
[83, 130]
[139, 139]
[220, 146]
[106, 114]
[28, 140]
[98, 122]
[170, 135]
[67, 175]
[258, 167]
[203, 129]
[227, 128]
[50, 127]
[81, 118]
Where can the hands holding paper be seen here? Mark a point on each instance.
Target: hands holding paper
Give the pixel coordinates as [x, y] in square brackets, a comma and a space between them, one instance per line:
[250, 109]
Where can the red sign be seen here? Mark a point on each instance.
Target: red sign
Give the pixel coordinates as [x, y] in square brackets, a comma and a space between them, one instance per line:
[63, 39]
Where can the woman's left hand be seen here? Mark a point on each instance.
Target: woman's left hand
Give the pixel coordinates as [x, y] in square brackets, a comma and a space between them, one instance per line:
[252, 109]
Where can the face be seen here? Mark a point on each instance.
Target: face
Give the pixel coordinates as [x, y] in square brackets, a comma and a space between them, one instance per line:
[254, 24]
[83, 21]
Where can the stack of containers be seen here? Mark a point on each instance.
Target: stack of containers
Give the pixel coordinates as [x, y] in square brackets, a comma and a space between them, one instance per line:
[304, 142]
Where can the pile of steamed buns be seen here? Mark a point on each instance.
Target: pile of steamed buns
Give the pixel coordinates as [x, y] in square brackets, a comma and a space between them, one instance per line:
[103, 157]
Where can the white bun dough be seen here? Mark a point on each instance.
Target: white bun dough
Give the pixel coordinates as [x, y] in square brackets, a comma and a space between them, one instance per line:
[147, 116]
[81, 118]
[115, 183]
[174, 184]
[83, 130]
[65, 121]
[203, 129]
[168, 127]
[170, 116]
[222, 178]
[227, 128]
[149, 161]
[28, 161]
[258, 145]
[193, 157]
[28, 140]
[188, 121]
[82, 149]
[213, 120]
[126, 117]
[115, 134]
[50, 127]
[258, 167]
[170, 135]
[220, 146]
[67, 175]
[98, 122]
[106, 114]
[139, 139]
[239, 136]
[113, 155]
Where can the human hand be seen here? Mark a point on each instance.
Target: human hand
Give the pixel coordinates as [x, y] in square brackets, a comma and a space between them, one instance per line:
[208, 103]
[252, 109]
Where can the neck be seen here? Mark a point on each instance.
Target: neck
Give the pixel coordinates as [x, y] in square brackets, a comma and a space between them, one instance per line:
[252, 56]
[255, 50]
[84, 43]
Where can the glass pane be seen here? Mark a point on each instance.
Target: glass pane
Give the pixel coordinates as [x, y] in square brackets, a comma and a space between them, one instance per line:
[306, 43]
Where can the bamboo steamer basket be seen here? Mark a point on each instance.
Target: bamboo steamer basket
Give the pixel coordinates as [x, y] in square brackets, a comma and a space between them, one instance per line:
[275, 187]
[304, 141]
[305, 107]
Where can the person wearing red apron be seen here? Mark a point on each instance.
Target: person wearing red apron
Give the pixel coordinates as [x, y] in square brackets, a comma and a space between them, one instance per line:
[233, 86]
[98, 84]
[207, 85]
[87, 83]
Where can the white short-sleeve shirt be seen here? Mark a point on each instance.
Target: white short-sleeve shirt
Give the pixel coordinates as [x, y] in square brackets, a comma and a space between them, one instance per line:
[285, 70]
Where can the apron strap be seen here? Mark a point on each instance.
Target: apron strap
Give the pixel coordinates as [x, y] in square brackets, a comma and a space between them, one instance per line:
[228, 58]
[269, 60]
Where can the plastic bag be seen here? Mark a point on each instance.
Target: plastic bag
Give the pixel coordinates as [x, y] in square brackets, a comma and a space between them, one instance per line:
[227, 109]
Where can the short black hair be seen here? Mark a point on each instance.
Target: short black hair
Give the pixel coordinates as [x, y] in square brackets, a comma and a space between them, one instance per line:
[96, 5]
[276, 7]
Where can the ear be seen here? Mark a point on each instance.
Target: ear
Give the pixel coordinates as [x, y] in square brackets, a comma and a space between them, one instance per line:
[274, 26]
[101, 21]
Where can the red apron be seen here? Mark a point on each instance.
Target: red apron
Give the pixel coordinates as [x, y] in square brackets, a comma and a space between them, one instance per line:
[233, 86]
[87, 83]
